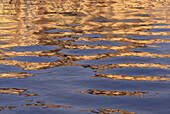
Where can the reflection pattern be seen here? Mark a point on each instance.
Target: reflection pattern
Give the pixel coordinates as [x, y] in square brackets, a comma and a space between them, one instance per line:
[17, 91]
[113, 93]
[45, 105]
[83, 25]
[15, 75]
[137, 78]
[6, 107]
[108, 111]
[122, 65]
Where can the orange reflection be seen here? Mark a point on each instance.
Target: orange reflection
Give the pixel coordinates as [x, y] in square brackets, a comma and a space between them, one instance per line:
[108, 111]
[136, 78]
[6, 107]
[17, 91]
[113, 93]
[122, 65]
[46, 105]
[15, 75]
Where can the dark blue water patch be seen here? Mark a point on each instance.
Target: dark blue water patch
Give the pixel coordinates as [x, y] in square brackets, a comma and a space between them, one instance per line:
[70, 83]
[160, 24]
[131, 20]
[96, 101]
[134, 71]
[96, 43]
[14, 99]
[148, 37]
[159, 19]
[164, 47]
[41, 110]
[149, 105]
[67, 38]
[142, 15]
[34, 59]
[85, 51]
[102, 20]
[56, 92]
[118, 60]
[32, 48]
[158, 30]
[161, 49]
[69, 74]
[90, 35]
[126, 85]
[2, 43]
[60, 81]
[9, 68]
[59, 94]
[57, 30]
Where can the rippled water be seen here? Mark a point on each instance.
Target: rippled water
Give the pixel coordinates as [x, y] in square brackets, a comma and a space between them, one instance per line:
[84, 56]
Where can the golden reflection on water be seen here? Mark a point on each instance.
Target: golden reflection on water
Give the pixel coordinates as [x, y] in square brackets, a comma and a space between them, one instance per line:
[6, 107]
[17, 91]
[122, 65]
[48, 22]
[15, 75]
[46, 105]
[108, 111]
[113, 93]
[136, 78]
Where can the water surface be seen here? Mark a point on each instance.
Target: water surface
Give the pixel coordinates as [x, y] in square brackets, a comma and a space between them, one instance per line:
[84, 56]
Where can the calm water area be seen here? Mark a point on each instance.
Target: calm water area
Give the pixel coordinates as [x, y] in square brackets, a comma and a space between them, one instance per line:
[84, 56]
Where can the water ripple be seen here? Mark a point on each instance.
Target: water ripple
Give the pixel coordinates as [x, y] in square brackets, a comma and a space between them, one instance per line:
[55, 48]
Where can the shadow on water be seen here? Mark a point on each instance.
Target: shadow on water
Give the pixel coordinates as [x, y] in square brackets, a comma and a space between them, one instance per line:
[84, 56]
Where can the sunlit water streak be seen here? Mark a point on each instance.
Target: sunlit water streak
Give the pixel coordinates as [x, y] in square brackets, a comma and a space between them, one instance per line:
[84, 56]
